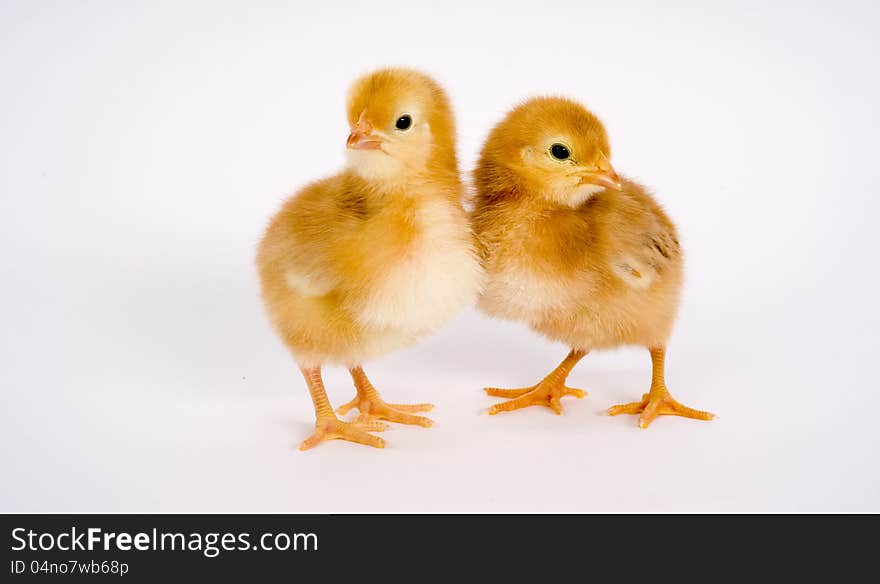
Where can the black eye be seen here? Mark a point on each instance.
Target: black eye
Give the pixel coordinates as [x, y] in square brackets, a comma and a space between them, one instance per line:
[403, 122]
[559, 152]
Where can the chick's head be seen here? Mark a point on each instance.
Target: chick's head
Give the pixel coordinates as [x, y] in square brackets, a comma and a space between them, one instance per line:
[401, 126]
[548, 147]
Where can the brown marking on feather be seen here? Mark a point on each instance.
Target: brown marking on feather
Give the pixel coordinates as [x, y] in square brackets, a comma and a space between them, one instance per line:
[661, 250]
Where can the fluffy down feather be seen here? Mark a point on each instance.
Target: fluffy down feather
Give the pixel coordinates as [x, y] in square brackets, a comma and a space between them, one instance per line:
[593, 271]
[375, 257]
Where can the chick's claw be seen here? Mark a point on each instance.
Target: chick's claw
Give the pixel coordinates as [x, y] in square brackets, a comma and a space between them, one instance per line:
[630, 408]
[384, 411]
[543, 394]
[658, 403]
[412, 407]
[376, 409]
[334, 429]
[368, 424]
[500, 392]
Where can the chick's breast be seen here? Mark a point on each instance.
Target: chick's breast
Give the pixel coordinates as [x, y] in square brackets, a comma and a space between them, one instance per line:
[604, 274]
[435, 275]
[346, 279]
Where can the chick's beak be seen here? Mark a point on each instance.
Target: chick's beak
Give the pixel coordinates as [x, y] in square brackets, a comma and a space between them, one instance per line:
[361, 136]
[602, 174]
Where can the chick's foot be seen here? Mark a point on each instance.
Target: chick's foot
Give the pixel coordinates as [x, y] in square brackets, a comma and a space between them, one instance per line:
[542, 394]
[658, 402]
[548, 392]
[331, 428]
[372, 407]
[376, 409]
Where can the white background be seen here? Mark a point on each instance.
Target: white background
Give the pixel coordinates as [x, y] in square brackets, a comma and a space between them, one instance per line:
[144, 145]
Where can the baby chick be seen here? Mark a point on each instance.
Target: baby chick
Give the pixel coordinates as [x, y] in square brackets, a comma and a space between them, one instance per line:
[578, 253]
[373, 258]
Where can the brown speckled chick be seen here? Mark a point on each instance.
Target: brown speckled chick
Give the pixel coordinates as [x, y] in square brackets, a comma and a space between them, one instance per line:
[574, 251]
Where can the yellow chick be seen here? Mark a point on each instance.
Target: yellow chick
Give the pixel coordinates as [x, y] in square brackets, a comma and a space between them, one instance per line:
[375, 257]
[576, 252]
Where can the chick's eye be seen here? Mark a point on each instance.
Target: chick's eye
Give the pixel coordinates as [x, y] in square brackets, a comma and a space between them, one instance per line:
[560, 152]
[403, 122]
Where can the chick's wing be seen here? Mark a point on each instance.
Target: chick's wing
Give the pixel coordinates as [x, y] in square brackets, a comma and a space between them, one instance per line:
[327, 239]
[643, 241]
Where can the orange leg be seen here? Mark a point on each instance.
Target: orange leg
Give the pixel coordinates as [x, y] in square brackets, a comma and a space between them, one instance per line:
[372, 407]
[548, 392]
[658, 401]
[328, 426]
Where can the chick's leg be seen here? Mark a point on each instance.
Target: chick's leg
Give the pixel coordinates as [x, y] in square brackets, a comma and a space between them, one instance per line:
[328, 426]
[548, 392]
[372, 407]
[658, 401]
